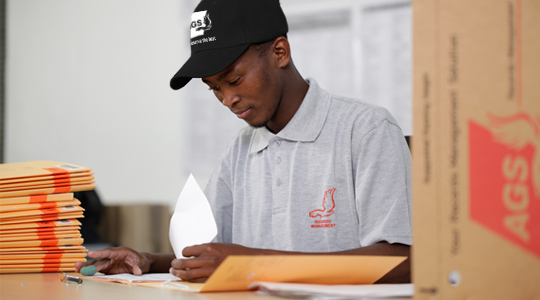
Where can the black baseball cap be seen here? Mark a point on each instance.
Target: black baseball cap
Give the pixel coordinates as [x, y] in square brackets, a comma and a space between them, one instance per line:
[222, 30]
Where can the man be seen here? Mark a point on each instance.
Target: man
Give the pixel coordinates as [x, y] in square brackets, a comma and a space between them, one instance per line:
[313, 173]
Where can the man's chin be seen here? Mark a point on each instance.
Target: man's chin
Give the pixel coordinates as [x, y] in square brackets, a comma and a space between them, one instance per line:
[257, 125]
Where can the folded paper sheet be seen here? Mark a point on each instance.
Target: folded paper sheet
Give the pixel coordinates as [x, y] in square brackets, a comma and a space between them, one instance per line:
[192, 222]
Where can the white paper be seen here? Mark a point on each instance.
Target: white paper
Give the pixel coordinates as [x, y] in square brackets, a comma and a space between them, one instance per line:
[166, 280]
[127, 277]
[321, 291]
[192, 222]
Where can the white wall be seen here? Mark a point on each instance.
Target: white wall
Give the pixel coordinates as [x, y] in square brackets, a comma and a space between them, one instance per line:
[87, 82]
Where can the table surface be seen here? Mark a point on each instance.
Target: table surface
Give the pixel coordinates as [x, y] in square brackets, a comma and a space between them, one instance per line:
[46, 286]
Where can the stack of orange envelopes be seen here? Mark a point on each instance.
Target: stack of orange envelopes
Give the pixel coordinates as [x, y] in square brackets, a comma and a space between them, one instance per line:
[39, 230]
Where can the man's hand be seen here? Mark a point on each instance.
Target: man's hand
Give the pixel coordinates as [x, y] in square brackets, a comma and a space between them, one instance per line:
[205, 259]
[117, 260]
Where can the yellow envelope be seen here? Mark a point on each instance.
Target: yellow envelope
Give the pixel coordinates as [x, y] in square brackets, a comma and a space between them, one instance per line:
[42, 243]
[39, 230]
[37, 234]
[237, 272]
[39, 224]
[48, 236]
[26, 261]
[43, 211]
[38, 168]
[53, 267]
[44, 249]
[31, 206]
[12, 256]
[48, 181]
[44, 185]
[45, 191]
[42, 218]
[46, 269]
[79, 253]
[36, 199]
[70, 176]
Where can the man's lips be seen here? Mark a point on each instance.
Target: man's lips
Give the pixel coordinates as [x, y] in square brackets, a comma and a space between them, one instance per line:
[241, 114]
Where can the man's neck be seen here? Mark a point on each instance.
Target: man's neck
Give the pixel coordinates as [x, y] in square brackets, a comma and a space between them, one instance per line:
[293, 94]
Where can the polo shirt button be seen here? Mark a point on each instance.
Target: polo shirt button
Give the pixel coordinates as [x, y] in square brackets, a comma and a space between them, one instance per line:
[278, 142]
[278, 182]
[278, 160]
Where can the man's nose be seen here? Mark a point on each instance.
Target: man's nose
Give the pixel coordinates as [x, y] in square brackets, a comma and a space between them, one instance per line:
[229, 98]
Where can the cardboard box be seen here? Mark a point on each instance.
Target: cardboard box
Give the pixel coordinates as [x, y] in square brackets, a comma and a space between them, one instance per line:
[476, 149]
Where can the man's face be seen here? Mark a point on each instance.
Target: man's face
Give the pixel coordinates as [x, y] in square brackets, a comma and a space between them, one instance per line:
[248, 88]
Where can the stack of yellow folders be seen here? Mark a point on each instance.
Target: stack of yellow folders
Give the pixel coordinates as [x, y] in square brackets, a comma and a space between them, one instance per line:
[39, 230]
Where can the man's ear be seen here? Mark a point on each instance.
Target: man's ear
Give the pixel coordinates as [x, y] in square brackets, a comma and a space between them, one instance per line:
[281, 51]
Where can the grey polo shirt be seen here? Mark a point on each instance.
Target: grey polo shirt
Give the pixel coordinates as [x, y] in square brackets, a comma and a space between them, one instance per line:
[337, 177]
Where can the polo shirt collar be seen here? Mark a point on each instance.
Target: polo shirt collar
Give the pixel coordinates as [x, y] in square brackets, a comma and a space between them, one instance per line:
[306, 124]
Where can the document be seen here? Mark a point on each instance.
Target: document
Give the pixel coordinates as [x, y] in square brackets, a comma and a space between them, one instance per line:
[192, 222]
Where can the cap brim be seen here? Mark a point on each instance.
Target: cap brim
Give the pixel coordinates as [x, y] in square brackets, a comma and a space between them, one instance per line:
[206, 63]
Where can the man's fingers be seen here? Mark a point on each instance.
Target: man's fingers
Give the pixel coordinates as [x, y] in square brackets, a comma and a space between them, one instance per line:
[194, 263]
[196, 250]
[193, 275]
[116, 260]
[80, 265]
[185, 263]
[136, 270]
[105, 253]
[102, 265]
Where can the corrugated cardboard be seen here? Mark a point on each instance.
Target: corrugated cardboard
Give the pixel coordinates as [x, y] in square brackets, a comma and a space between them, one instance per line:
[476, 149]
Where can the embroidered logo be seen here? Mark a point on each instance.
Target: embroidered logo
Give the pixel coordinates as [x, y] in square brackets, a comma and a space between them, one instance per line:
[505, 177]
[327, 210]
[200, 22]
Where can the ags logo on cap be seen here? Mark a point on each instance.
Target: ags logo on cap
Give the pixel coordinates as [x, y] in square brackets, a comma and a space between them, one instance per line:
[200, 22]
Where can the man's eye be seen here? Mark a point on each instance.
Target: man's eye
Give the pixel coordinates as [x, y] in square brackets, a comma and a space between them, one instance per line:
[235, 81]
[214, 89]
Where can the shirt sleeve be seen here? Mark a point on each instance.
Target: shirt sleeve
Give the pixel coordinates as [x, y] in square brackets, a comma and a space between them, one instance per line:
[382, 181]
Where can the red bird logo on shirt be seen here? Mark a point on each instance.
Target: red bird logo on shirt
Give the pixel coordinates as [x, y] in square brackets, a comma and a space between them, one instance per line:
[328, 208]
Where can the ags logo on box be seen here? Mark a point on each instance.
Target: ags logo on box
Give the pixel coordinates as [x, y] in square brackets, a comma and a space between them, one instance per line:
[504, 175]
